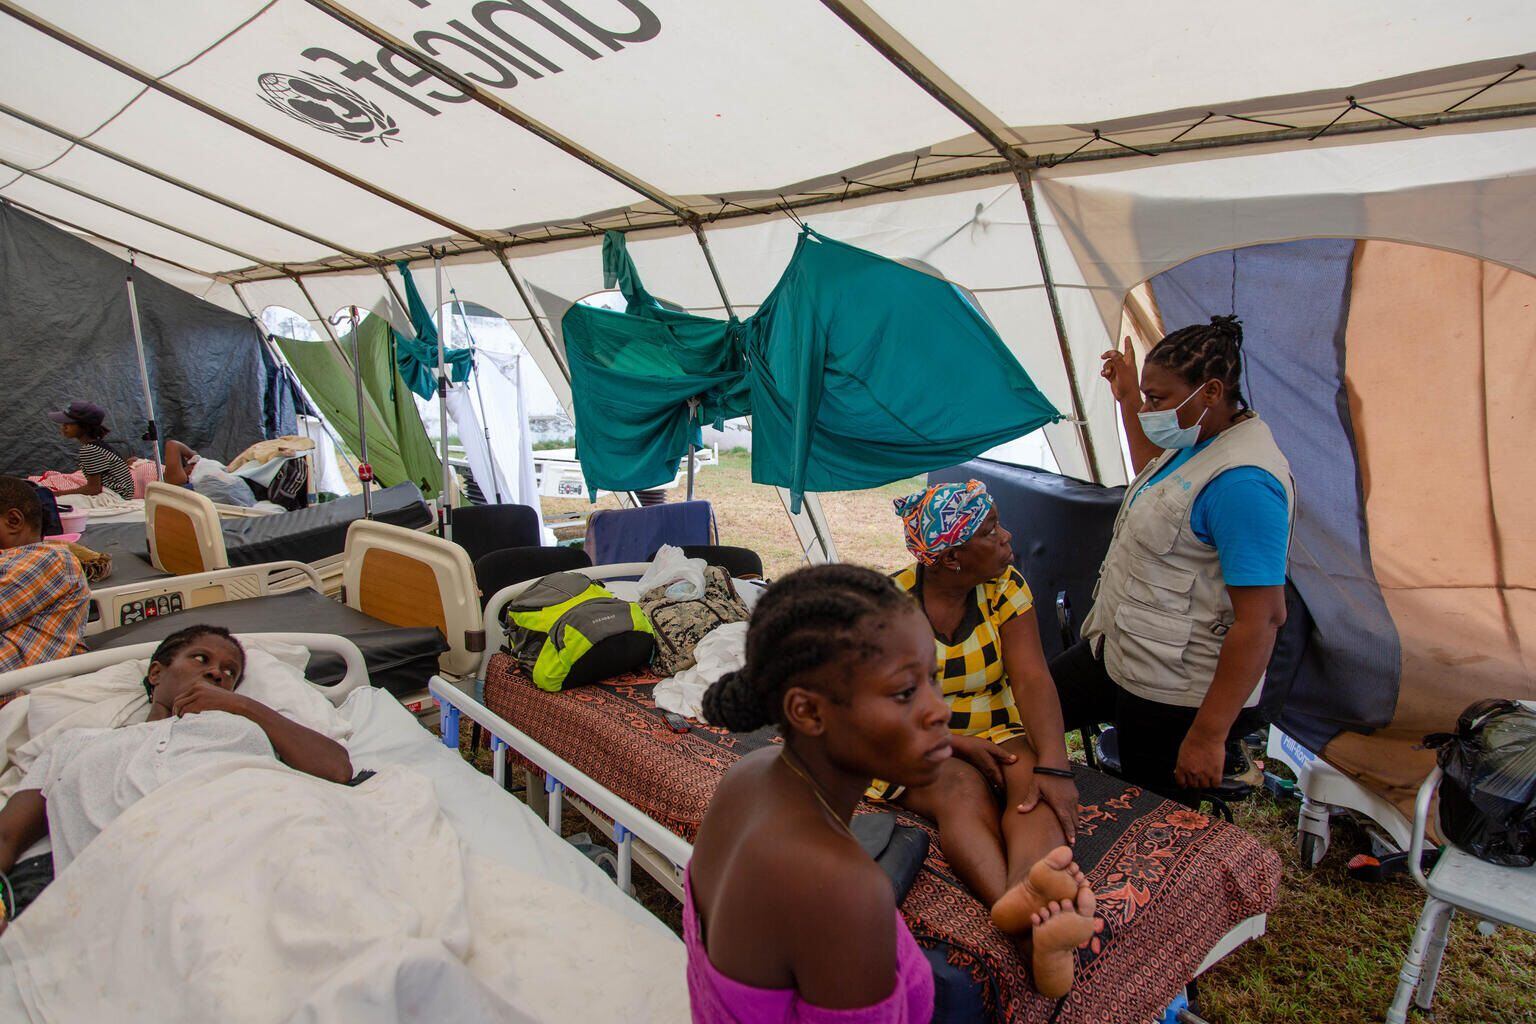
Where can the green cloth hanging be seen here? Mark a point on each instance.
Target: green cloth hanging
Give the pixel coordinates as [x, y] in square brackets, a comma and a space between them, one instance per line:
[417, 357]
[865, 371]
[857, 371]
[632, 375]
[398, 448]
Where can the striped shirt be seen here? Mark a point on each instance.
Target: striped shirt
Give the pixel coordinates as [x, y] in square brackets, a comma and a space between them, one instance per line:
[99, 460]
[43, 597]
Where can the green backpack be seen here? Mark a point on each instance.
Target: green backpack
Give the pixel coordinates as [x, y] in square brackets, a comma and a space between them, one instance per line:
[570, 631]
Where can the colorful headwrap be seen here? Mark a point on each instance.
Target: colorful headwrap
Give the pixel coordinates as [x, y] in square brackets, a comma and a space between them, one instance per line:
[943, 516]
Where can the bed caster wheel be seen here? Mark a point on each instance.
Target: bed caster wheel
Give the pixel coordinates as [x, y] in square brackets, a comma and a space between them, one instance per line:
[1312, 848]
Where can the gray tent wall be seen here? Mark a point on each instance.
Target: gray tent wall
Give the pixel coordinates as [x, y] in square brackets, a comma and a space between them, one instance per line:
[66, 335]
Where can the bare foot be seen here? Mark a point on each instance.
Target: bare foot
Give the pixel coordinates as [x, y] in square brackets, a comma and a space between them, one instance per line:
[1054, 877]
[1058, 930]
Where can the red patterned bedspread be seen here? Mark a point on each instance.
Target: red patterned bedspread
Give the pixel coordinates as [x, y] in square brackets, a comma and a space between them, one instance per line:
[1171, 881]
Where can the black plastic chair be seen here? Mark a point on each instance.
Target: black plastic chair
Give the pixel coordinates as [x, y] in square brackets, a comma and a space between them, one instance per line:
[482, 529]
[514, 565]
[742, 563]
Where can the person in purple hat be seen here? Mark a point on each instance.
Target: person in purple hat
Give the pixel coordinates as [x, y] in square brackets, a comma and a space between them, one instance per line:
[104, 469]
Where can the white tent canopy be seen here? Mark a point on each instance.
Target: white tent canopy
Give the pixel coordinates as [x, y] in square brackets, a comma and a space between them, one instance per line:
[293, 148]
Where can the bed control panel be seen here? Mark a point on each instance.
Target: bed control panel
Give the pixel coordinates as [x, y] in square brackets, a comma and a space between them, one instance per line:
[148, 608]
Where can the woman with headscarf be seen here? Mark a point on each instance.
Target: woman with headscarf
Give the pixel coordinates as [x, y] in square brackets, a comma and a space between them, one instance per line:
[1005, 804]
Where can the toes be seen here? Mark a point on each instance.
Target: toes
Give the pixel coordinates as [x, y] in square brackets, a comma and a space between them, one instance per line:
[1060, 858]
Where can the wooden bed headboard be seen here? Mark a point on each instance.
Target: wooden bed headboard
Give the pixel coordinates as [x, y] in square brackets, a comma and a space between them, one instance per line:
[408, 578]
[183, 530]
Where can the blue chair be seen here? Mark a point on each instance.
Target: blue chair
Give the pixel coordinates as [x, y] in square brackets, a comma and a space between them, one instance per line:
[635, 534]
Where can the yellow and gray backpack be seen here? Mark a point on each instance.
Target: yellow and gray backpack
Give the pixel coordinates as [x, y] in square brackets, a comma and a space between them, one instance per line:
[570, 631]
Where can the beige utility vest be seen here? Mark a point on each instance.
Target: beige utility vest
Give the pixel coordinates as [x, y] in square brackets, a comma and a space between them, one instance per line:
[1161, 608]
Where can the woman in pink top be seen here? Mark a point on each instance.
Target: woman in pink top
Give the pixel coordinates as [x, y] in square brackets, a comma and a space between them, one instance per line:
[786, 919]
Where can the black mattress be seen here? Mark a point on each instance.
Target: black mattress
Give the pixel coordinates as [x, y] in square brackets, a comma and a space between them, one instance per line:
[400, 659]
[307, 535]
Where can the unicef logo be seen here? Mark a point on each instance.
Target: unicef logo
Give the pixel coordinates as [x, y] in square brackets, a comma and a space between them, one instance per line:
[329, 106]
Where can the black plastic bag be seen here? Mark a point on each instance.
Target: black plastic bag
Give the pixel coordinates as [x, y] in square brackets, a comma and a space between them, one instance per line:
[1488, 796]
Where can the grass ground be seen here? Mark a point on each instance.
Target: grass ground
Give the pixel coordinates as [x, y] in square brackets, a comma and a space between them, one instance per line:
[1334, 944]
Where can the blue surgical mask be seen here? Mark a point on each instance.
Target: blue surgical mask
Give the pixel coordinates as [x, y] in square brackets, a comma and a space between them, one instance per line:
[1162, 427]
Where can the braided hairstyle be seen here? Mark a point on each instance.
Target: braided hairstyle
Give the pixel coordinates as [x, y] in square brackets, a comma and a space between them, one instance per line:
[806, 620]
[1204, 352]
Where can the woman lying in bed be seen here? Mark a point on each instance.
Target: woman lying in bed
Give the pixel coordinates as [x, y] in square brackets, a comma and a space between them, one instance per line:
[786, 918]
[90, 776]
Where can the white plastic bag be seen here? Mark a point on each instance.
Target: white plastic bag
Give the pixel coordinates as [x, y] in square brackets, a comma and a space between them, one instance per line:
[682, 576]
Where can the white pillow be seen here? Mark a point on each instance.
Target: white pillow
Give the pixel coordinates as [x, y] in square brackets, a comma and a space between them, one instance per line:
[283, 688]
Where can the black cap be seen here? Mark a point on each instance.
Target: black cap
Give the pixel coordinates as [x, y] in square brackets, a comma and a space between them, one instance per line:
[86, 414]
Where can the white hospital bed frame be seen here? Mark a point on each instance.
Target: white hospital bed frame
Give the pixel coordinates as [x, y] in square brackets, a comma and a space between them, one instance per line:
[1325, 792]
[400, 576]
[639, 838]
[80, 664]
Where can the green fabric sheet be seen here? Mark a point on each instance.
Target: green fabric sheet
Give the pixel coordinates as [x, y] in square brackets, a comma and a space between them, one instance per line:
[857, 371]
[416, 357]
[398, 448]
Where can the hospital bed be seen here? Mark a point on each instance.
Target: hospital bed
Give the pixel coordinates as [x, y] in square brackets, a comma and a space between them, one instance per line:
[488, 822]
[408, 600]
[1178, 890]
[183, 532]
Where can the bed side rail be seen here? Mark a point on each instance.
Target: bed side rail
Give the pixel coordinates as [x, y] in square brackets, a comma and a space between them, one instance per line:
[111, 607]
[80, 664]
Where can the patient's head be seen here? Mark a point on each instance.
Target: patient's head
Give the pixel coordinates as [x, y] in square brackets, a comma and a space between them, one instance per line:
[21, 514]
[196, 653]
[838, 656]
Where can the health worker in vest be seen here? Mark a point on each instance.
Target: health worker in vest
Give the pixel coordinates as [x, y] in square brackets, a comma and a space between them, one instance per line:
[1192, 591]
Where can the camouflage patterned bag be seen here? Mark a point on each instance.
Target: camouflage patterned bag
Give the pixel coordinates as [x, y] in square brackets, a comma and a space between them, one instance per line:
[680, 623]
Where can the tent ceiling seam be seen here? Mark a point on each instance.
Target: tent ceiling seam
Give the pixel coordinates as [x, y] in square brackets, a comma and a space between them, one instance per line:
[140, 216]
[140, 94]
[84, 143]
[212, 278]
[731, 209]
[500, 107]
[81, 46]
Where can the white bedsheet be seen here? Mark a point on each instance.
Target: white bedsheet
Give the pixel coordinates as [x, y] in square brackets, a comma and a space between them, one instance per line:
[550, 935]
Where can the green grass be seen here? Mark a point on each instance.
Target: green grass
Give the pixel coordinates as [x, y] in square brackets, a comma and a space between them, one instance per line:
[1334, 945]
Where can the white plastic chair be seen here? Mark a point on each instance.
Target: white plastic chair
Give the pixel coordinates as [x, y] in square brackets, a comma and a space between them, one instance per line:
[1459, 881]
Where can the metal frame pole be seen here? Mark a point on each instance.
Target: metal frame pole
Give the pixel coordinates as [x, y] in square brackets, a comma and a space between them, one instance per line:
[485, 426]
[153, 434]
[444, 502]
[538, 325]
[277, 354]
[364, 470]
[1079, 415]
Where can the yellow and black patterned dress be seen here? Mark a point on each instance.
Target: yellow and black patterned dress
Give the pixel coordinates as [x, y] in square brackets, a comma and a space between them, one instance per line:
[971, 676]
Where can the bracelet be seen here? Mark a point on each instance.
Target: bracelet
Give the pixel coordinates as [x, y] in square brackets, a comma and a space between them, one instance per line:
[1055, 773]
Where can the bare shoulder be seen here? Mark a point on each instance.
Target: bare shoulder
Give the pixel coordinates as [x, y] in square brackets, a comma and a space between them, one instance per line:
[846, 956]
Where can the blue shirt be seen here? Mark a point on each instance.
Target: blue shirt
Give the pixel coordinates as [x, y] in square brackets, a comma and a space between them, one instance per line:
[1244, 515]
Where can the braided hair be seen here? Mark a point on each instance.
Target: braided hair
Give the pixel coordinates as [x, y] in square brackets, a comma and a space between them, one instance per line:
[1203, 352]
[806, 620]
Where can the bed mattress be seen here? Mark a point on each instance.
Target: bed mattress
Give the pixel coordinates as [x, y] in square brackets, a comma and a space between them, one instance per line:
[400, 659]
[1171, 881]
[308, 535]
[488, 821]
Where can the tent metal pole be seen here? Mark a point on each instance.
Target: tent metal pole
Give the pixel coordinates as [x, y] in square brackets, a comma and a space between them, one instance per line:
[474, 378]
[444, 509]
[282, 361]
[714, 271]
[7, 201]
[152, 435]
[522, 293]
[364, 471]
[1079, 416]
